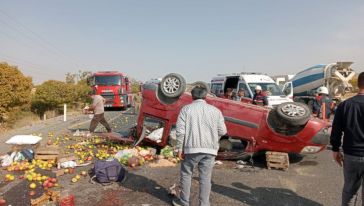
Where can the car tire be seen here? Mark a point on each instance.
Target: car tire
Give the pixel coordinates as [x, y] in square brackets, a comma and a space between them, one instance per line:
[172, 85]
[293, 113]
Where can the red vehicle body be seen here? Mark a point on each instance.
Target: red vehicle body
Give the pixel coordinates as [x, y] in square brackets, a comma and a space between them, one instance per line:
[114, 86]
[251, 128]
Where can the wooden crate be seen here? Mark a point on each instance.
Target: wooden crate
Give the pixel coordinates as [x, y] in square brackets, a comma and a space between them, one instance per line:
[47, 153]
[277, 160]
[50, 196]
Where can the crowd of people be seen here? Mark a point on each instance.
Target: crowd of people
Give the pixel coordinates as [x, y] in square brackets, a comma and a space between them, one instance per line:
[259, 98]
[322, 105]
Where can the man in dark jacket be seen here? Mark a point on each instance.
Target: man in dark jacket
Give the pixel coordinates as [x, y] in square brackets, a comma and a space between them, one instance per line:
[348, 132]
[260, 98]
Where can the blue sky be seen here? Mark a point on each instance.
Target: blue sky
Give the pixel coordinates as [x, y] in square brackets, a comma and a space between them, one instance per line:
[198, 39]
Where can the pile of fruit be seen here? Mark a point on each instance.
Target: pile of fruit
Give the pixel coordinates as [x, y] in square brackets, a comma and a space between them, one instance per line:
[85, 151]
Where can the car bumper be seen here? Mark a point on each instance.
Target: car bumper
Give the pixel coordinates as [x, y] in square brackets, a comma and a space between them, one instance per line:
[321, 139]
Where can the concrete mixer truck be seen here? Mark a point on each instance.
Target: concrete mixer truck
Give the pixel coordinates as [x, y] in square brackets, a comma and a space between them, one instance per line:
[334, 76]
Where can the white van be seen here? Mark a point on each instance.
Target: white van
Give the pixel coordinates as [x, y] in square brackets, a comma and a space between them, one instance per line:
[248, 81]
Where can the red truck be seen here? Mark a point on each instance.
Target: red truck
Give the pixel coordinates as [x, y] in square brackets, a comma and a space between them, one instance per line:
[289, 127]
[114, 86]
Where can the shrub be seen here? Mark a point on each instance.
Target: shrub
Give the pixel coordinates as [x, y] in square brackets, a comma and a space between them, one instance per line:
[15, 92]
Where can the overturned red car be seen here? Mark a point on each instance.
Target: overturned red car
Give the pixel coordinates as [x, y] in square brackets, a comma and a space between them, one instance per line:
[289, 127]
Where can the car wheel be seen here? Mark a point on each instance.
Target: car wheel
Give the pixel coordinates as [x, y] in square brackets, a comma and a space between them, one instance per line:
[202, 85]
[293, 113]
[172, 85]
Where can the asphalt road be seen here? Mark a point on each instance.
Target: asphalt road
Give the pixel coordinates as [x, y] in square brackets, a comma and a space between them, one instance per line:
[311, 180]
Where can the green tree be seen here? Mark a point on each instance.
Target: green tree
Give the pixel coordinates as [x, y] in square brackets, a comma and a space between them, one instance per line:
[135, 87]
[83, 75]
[51, 95]
[15, 91]
[79, 83]
[70, 78]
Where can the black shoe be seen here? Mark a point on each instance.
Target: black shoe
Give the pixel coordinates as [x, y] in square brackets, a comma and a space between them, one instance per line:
[177, 202]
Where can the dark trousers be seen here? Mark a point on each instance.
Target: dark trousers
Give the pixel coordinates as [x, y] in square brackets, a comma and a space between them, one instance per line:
[99, 118]
[353, 179]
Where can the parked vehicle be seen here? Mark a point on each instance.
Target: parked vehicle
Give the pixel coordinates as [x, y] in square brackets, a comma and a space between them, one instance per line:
[248, 81]
[334, 76]
[289, 127]
[114, 86]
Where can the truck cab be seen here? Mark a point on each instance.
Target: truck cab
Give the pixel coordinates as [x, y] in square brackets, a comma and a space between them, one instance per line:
[248, 81]
[114, 86]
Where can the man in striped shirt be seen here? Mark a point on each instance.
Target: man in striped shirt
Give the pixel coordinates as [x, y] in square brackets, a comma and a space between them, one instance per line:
[199, 128]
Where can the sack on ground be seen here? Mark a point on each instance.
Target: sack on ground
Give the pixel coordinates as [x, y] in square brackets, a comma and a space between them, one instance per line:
[109, 170]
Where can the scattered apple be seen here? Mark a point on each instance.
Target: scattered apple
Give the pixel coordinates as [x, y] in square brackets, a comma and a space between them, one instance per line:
[11, 178]
[49, 142]
[32, 185]
[83, 173]
[50, 185]
[32, 193]
[2, 201]
[53, 180]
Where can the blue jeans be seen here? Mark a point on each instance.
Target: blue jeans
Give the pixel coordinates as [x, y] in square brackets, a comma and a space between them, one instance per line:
[205, 164]
[353, 179]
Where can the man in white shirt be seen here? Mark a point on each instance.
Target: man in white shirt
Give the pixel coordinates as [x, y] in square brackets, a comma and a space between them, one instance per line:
[98, 108]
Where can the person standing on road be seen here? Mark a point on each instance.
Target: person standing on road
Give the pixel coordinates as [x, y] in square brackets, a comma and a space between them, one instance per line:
[349, 120]
[199, 128]
[97, 107]
[323, 103]
[137, 102]
[260, 98]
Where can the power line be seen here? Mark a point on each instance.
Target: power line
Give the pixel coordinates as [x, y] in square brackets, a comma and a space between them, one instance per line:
[22, 64]
[39, 39]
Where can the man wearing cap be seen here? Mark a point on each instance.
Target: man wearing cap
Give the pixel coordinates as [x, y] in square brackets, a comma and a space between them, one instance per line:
[260, 98]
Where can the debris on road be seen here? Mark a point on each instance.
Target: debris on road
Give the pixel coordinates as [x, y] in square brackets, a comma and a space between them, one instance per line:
[162, 163]
[277, 160]
[173, 190]
[218, 162]
[24, 140]
[241, 162]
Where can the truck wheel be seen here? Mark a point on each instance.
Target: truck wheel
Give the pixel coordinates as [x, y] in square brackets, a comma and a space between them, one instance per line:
[202, 85]
[293, 113]
[172, 85]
